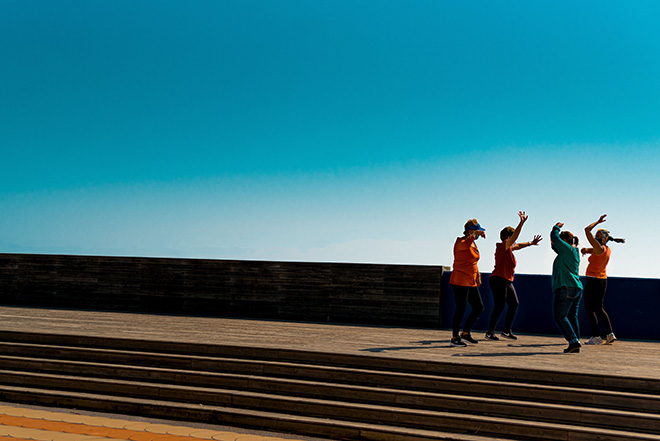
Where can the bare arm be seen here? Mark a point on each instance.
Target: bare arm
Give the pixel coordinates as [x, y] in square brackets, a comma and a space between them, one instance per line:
[511, 240]
[597, 247]
[534, 241]
[587, 251]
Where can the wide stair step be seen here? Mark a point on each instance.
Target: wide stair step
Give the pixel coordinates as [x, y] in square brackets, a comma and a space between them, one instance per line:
[332, 395]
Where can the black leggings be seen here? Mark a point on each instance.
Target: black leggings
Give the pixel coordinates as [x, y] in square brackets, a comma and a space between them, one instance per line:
[463, 295]
[503, 292]
[594, 293]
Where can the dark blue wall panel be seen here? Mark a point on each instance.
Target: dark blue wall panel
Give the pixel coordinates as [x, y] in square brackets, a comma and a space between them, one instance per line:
[632, 304]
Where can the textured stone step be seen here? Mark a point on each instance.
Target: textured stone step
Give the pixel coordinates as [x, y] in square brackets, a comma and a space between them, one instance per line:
[324, 391]
[520, 375]
[258, 375]
[329, 427]
[412, 409]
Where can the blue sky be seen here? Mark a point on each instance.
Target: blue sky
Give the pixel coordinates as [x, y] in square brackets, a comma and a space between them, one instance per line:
[327, 131]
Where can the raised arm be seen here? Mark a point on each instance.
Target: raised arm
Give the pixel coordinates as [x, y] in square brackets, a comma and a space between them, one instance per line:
[558, 245]
[597, 247]
[511, 240]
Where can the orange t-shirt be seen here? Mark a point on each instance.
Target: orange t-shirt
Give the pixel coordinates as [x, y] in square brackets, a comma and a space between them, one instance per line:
[466, 256]
[505, 262]
[598, 263]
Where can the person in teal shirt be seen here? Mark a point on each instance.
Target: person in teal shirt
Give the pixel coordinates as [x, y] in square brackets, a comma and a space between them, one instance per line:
[566, 285]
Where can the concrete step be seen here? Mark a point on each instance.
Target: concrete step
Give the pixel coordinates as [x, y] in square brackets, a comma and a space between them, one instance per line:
[336, 388]
[271, 376]
[413, 409]
[466, 427]
[197, 353]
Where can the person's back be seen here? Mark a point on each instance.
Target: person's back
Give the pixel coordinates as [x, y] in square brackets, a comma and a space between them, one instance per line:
[566, 266]
[505, 262]
[566, 285]
[466, 256]
[594, 290]
[598, 263]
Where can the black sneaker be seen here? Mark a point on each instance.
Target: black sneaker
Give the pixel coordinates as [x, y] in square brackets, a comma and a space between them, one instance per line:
[573, 348]
[468, 337]
[509, 335]
[491, 336]
[457, 342]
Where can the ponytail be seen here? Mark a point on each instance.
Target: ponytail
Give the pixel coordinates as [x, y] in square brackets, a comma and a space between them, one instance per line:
[615, 239]
[569, 238]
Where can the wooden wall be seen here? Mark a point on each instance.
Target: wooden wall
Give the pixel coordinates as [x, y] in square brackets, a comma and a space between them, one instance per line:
[333, 292]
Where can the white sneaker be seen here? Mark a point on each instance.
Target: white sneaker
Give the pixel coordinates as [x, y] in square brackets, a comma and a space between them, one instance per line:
[610, 339]
[594, 341]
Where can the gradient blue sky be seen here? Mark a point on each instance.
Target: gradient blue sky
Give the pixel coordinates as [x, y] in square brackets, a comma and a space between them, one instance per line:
[349, 131]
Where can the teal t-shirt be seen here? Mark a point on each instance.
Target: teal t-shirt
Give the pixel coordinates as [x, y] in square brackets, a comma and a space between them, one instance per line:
[566, 267]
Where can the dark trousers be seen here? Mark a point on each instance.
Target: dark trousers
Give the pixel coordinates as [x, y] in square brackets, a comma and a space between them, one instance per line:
[464, 295]
[594, 293]
[504, 293]
[566, 304]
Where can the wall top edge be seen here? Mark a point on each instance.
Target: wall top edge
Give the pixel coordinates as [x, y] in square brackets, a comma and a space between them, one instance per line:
[179, 259]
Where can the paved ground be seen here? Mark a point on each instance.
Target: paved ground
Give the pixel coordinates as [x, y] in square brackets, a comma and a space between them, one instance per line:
[20, 423]
[623, 358]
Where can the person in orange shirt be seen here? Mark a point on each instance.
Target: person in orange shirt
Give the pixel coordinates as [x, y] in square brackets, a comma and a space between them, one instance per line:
[465, 281]
[501, 279]
[594, 291]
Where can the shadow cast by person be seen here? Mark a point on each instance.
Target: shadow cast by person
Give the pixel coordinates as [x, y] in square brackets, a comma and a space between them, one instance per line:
[508, 354]
[426, 344]
[535, 346]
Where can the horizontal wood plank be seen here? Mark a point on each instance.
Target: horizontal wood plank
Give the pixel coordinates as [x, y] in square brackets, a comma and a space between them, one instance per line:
[358, 293]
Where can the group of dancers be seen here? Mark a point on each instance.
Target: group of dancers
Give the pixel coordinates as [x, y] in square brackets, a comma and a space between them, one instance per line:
[566, 284]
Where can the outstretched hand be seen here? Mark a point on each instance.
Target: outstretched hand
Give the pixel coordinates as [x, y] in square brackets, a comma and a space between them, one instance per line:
[602, 219]
[523, 216]
[536, 240]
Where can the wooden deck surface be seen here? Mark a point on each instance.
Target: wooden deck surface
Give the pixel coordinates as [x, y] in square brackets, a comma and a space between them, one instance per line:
[639, 359]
